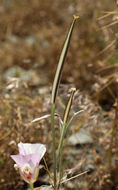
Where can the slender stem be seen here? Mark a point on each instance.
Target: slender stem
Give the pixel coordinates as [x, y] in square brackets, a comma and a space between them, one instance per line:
[61, 152]
[31, 186]
[65, 118]
[53, 144]
[47, 169]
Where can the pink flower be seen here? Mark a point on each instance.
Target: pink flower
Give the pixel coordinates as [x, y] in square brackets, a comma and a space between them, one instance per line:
[28, 160]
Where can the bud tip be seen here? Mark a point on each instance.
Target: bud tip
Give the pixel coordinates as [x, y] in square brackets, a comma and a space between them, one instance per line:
[75, 17]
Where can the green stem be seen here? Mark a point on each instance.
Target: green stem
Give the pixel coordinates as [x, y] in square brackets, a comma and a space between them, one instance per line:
[65, 119]
[47, 169]
[61, 151]
[31, 186]
[53, 144]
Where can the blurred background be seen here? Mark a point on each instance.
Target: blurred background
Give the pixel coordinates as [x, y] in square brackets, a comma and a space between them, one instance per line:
[32, 33]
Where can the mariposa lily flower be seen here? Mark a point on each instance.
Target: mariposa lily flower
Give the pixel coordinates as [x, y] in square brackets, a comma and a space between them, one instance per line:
[28, 160]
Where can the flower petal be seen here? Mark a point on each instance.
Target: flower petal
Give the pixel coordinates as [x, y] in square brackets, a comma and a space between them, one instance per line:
[20, 159]
[30, 176]
[27, 148]
[32, 159]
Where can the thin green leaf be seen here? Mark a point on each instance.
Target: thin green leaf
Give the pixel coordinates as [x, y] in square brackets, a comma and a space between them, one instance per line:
[61, 61]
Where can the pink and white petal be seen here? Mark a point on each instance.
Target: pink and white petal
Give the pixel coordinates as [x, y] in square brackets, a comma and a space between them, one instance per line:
[22, 159]
[27, 148]
[38, 149]
[36, 173]
[24, 148]
[34, 160]
[33, 177]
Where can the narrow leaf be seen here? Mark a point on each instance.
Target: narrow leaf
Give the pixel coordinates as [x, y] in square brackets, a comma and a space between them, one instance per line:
[61, 61]
[45, 117]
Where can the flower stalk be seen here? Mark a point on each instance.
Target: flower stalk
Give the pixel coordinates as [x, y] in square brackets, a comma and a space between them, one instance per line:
[53, 142]
[54, 94]
[31, 186]
[55, 90]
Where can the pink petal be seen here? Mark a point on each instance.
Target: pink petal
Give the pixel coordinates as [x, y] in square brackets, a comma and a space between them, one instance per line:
[35, 159]
[21, 159]
[32, 159]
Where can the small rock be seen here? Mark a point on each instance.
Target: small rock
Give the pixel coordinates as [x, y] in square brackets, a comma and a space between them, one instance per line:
[81, 137]
[23, 75]
[30, 40]
[44, 187]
